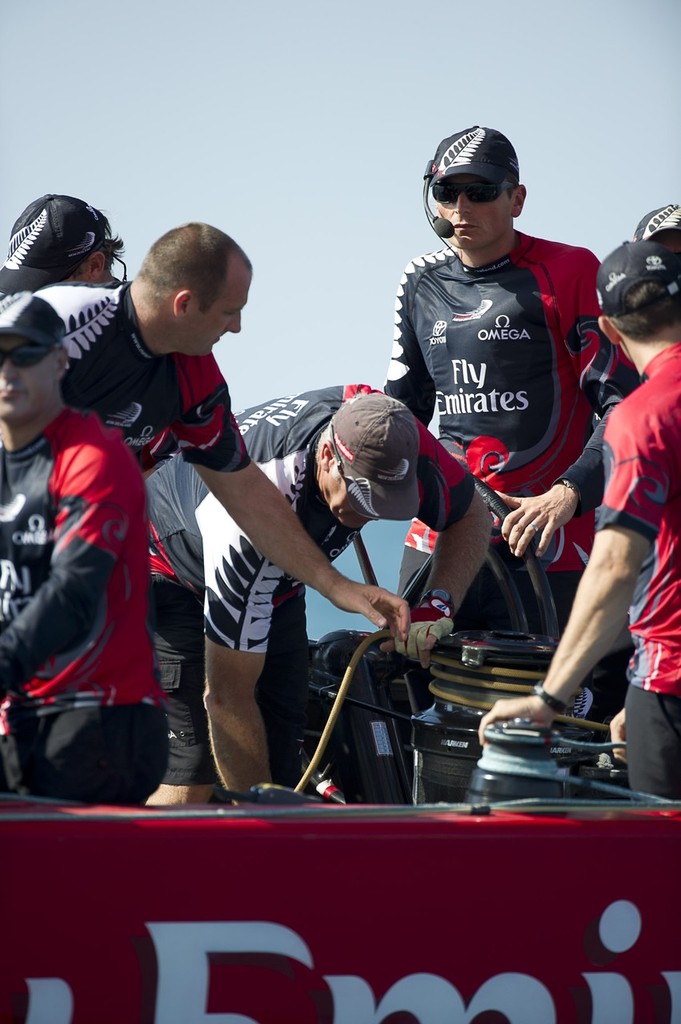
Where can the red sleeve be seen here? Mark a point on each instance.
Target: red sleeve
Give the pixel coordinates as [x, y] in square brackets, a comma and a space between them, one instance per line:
[207, 434]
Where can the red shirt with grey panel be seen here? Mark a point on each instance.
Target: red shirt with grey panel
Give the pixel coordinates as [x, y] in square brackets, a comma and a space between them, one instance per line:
[196, 543]
[74, 583]
[643, 494]
[113, 372]
[510, 357]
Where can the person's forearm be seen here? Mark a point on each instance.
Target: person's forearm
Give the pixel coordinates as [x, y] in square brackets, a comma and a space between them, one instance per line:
[460, 551]
[598, 613]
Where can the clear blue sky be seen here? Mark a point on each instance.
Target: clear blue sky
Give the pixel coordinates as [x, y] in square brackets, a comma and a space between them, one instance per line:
[302, 128]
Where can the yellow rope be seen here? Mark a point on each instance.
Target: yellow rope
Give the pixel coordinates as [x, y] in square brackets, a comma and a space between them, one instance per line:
[338, 703]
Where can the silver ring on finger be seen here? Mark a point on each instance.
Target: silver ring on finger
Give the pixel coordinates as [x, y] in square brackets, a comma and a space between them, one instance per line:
[533, 526]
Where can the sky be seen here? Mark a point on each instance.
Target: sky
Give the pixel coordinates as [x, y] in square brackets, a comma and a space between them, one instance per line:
[303, 127]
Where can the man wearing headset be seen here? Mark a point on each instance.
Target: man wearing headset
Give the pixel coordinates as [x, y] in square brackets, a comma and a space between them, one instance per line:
[341, 456]
[497, 333]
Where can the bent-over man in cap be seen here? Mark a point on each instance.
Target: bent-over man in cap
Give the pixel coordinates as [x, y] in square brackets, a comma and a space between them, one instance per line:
[341, 457]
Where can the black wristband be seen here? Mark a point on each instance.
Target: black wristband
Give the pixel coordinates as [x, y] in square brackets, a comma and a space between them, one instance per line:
[552, 702]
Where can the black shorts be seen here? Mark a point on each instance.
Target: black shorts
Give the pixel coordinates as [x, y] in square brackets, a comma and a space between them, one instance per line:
[281, 691]
[106, 755]
[653, 727]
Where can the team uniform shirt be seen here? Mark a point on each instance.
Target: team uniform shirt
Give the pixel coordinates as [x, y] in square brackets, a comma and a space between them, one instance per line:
[510, 357]
[196, 543]
[643, 493]
[74, 582]
[113, 372]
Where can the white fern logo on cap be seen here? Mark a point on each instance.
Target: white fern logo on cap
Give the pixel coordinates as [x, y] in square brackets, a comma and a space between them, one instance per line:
[21, 243]
[463, 151]
[12, 306]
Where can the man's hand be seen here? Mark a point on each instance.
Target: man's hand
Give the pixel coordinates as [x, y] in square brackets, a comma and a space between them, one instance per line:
[532, 708]
[430, 621]
[618, 734]
[385, 610]
[538, 516]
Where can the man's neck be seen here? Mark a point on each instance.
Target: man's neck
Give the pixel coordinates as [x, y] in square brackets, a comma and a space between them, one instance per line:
[642, 353]
[474, 258]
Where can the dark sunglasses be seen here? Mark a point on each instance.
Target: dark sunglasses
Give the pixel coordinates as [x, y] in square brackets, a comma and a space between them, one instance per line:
[25, 355]
[447, 192]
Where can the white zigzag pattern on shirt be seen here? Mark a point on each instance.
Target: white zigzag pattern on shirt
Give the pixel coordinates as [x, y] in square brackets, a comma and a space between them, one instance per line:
[9, 512]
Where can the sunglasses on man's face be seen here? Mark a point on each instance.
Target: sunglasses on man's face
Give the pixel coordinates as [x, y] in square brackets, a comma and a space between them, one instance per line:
[25, 355]
[447, 192]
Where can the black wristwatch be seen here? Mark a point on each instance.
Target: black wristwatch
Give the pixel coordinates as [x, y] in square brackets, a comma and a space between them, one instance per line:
[439, 594]
[569, 484]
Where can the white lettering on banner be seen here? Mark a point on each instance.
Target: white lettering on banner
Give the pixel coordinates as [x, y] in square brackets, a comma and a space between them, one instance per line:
[184, 950]
[50, 1001]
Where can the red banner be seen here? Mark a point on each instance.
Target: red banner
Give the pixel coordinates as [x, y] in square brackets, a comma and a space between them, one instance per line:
[321, 915]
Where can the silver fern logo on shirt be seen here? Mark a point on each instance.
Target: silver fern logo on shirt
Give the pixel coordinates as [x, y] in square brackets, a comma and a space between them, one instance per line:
[125, 417]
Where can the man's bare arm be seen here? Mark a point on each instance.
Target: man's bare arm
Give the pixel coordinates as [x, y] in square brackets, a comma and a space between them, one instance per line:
[265, 516]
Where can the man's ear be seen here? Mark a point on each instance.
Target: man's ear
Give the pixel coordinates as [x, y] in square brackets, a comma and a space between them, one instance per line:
[95, 267]
[519, 200]
[609, 330]
[182, 301]
[326, 455]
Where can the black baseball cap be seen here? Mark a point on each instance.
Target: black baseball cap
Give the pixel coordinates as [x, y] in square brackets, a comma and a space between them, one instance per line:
[484, 152]
[51, 237]
[29, 316]
[665, 218]
[632, 264]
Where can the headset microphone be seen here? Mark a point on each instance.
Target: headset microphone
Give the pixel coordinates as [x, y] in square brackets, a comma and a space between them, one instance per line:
[442, 227]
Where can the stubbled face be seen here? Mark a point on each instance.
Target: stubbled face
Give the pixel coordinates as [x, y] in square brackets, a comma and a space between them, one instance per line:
[334, 491]
[483, 232]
